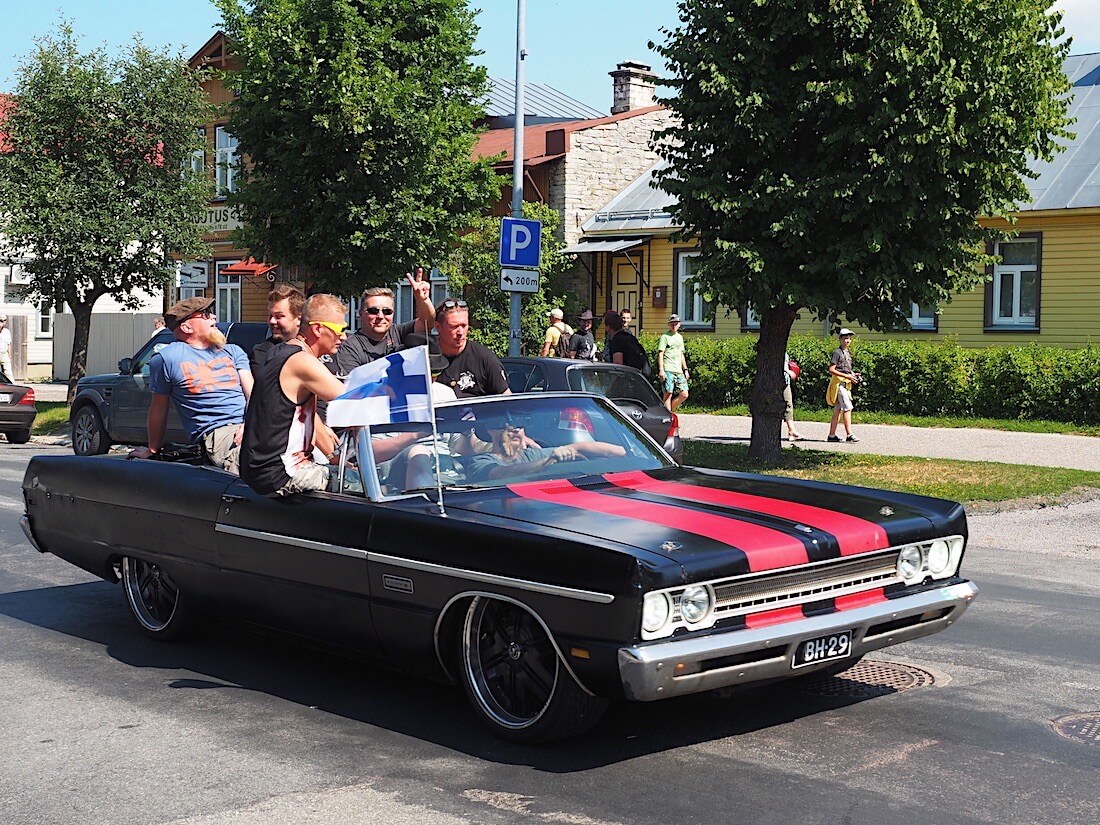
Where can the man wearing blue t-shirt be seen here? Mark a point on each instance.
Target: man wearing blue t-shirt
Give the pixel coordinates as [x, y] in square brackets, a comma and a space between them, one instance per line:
[208, 379]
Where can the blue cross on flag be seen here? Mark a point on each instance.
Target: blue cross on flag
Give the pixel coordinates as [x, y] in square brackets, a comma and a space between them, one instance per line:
[389, 390]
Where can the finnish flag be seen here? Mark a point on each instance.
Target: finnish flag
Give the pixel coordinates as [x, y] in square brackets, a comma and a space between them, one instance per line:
[389, 390]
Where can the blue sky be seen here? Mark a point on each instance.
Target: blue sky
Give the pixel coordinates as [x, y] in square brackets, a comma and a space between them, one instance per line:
[571, 44]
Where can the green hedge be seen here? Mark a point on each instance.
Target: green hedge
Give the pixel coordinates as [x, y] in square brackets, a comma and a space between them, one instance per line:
[927, 378]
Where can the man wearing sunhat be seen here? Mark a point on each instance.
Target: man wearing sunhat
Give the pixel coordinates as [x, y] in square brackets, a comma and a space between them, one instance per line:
[208, 380]
[839, 392]
[582, 344]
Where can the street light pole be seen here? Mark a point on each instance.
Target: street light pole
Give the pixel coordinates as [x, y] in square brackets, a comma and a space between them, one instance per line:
[515, 307]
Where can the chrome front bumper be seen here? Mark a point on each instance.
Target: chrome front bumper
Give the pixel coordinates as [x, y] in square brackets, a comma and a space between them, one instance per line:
[735, 657]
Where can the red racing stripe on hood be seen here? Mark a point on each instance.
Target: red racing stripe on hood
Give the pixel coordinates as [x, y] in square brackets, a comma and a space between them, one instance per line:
[853, 534]
[764, 548]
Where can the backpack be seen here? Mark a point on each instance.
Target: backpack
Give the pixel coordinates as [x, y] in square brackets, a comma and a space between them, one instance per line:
[635, 356]
[561, 348]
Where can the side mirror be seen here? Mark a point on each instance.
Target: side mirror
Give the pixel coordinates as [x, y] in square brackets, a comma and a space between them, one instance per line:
[126, 366]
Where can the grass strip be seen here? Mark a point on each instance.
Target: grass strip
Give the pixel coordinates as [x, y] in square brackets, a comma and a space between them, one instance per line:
[967, 481]
[53, 418]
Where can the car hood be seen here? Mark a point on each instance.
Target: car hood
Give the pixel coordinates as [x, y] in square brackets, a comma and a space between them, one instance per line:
[722, 524]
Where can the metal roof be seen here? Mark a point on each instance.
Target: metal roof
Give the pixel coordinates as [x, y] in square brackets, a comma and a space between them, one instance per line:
[641, 207]
[1072, 179]
[539, 101]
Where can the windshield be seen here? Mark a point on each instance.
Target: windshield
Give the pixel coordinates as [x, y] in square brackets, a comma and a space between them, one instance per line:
[486, 444]
[612, 383]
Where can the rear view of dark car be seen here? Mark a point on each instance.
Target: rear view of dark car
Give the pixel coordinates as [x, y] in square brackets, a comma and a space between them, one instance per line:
[17, 411]
[113, 408]
[627, 388]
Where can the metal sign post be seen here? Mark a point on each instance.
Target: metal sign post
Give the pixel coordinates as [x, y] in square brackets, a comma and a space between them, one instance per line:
[515, 306]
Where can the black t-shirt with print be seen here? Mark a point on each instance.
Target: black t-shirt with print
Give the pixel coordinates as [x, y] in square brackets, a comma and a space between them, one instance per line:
[474, 371]
[583, 346]
[633, 354]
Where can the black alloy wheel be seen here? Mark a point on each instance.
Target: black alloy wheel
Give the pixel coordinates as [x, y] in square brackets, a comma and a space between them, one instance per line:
[89, 437]
[154, 600]
[515, 678]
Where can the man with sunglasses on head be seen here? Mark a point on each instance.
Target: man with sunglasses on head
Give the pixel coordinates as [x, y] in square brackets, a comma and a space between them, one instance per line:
[282, 426]
[472, 369]
[208, 379]
[378, 336]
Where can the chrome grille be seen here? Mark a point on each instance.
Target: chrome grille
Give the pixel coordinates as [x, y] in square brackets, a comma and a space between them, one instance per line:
[765, 592]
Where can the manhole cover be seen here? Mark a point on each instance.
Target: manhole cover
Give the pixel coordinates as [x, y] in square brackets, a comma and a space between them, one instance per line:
[868, 679]
[1081, 727]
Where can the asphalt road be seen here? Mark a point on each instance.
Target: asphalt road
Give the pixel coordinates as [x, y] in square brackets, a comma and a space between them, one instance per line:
[101, 725]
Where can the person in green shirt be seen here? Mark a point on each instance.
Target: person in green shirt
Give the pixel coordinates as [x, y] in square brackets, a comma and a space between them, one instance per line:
[672, 364]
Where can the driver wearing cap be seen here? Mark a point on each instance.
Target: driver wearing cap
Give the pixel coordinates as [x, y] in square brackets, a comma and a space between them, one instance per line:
[208, 379]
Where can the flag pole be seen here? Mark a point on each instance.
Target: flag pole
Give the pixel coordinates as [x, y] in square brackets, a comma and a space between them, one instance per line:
[435, 433]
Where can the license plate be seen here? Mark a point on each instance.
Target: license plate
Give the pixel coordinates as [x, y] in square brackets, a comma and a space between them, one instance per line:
[823, 649]
[5, 397]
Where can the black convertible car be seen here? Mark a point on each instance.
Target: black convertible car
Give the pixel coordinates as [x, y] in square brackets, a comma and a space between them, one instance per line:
[547, 582]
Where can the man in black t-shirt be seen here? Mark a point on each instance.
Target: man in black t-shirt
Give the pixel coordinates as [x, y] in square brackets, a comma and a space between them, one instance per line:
[623, 347]
[378, 336]
[582, 345]
[284, 316]
[474, 369]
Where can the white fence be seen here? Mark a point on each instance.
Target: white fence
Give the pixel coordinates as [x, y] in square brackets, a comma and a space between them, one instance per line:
[114, 335]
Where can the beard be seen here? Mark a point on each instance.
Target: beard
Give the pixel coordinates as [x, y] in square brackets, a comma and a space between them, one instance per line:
[511, 446]
[215, 338]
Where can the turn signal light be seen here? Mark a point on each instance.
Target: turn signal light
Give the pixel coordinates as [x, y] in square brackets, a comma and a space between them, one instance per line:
[674, 427]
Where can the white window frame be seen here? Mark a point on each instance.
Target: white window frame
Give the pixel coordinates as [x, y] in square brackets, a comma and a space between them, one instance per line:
[44, 312]
[919, 322]
[752, 320]
[227, 293]
[693, 317]
[225, 161]
[198, 157]
[1016, 272]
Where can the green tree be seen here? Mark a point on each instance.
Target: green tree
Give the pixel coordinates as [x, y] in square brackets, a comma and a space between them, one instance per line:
[832, 156]
[474, 273]
[356, 119]
[90, 179]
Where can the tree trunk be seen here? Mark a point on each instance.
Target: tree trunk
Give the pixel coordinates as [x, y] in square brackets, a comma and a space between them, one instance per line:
[766, 402]
[78, 364]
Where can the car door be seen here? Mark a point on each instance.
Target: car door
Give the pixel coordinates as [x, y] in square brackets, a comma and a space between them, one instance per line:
[130, 397]
[298, 563]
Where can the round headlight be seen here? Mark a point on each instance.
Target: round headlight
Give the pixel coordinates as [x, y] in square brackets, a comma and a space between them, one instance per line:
[939, 556]
[910, 562]
[655, 610]
[694, 604]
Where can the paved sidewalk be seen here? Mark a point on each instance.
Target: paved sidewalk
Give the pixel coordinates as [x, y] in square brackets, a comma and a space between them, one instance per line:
[1041, 449]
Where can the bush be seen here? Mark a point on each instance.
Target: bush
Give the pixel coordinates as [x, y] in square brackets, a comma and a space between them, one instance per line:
[925, 378]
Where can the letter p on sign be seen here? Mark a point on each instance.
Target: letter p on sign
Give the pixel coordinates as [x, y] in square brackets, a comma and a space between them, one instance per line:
[520, 243]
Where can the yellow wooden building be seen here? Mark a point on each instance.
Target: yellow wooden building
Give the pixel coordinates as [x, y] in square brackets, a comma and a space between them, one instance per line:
[1046, 288]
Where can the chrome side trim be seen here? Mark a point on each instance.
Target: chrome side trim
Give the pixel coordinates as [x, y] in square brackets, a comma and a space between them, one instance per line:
[25, 523]
[648, 671]
[292, 541]
[422, 566]
[492, 578]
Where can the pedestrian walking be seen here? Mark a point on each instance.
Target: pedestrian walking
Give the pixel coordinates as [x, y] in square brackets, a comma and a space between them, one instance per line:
[582, 344]
[672, 365]
[556, 342]
[839, 394]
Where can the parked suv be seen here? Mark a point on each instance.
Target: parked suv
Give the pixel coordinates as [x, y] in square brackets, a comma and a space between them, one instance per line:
[112, 409]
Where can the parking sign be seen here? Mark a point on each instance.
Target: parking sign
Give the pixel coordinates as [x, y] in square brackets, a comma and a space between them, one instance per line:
[520, 243]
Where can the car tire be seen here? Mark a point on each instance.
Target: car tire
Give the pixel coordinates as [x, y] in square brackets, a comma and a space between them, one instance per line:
[18, 436]
[89, 437]
[154, 601]
[515, 679]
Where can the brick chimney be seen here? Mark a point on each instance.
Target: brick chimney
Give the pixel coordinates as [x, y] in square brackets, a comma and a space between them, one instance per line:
[633, 86]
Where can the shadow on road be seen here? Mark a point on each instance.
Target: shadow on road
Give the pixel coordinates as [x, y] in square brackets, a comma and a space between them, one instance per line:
[231, 658]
